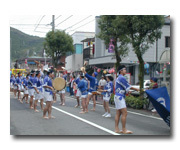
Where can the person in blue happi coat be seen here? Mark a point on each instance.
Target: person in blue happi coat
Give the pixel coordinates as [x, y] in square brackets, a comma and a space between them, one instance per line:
[31, 89]
[25, 84]
[93, 87]
[12, 81]
[38, 91]
[122, 87]
[18, 83]
[48, 95]
[82, 86]
[78, 93]
[107, 91]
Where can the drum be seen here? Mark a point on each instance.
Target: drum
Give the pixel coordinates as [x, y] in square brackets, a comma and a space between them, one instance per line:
[96, 93]
[59, 83]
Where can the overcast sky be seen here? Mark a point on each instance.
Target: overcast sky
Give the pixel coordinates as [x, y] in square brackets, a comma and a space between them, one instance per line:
[39, 25]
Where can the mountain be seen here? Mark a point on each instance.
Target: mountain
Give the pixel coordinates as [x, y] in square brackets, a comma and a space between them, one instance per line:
[23, 45]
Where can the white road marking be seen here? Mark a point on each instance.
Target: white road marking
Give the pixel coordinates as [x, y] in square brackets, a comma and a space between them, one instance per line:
[86, 121]
[135, 113]
[95, 125]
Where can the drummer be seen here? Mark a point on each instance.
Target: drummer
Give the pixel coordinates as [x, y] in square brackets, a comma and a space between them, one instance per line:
[48, 95]
[93, 84]
[83, 85]
[39, 91]
[62, 93]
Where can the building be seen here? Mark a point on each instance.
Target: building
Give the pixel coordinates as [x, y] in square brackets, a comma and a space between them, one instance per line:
[28, 63]
[75, 61]
[103, 59]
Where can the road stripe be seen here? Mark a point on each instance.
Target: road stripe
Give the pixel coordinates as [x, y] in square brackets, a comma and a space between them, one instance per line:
[135, 113]
[86, 121]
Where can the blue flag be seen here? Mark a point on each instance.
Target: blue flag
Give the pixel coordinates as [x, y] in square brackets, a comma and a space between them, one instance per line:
[161, 101]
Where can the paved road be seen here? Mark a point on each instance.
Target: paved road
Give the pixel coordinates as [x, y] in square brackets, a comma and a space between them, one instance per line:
[68, 121]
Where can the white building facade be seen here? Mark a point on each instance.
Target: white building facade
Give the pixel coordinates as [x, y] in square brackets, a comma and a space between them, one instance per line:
[75, 61]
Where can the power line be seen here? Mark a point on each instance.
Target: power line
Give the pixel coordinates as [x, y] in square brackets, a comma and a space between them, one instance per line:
[58, 17]
[27, 24]
[83, 25]
[77, 23]
[39, 22]
[40, 32]
[65, 20]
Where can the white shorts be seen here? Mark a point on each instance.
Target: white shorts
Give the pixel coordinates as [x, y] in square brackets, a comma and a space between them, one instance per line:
[83, 96]
[119, 104]
[15, 87]
[48, 96]
[62, 91]
[12, 86]
[89, 93]
[20, 88]
[105, 98]
[78, 94]
[39, 96]
[26, 92]
[31, 92]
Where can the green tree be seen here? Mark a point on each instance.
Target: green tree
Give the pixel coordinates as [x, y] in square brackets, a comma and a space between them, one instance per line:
[142, 31]
[110, 28]
[58, 43]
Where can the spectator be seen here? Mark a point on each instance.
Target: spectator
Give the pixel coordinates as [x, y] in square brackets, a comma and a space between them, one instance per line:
[71, 85]
[101, 84]
[153, 85]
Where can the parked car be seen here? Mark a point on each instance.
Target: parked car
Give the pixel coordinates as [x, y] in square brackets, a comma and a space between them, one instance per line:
[146, 86]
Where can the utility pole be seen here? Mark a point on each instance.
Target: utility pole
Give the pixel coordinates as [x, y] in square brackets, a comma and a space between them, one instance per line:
[53, 22]
[53, 28]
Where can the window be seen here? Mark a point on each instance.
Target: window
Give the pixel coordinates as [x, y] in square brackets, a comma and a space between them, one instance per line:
[167, 41]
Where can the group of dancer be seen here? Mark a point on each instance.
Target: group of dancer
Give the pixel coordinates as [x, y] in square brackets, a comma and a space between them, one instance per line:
[36, 86]
[39, 87]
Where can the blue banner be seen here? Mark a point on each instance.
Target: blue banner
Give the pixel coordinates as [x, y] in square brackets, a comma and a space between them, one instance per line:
[161, 102]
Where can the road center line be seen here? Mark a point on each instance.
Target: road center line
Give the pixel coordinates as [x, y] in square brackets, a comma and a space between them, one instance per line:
[135, 113]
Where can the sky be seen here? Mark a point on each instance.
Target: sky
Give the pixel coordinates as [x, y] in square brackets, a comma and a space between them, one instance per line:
[39, 25]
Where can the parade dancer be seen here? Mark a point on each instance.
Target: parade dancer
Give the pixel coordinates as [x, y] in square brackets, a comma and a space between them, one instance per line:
[25, 84]
[121, 89]
[19, 85]
[12, 81]
[39, 91]
[108, 90]
[62, 94]
[15, 86]
[82, 85]
[93, 84]
[31, 88]
[48, 95]
[78, 93]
